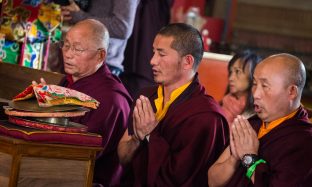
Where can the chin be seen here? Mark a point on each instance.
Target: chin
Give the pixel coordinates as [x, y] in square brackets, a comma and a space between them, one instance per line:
[67, 71]
[158, 81]
[233, 91]
[263, 117]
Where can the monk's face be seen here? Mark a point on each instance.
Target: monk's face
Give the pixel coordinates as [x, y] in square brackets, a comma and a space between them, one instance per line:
[269, 90]
[81, 57]
[238, 78]
[166, 62]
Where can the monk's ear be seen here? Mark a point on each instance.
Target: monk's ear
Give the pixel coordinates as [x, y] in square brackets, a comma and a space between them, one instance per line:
[293, 91]
[101, 55]
[188, 61]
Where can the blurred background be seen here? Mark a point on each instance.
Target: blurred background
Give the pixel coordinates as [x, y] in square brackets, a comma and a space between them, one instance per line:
[265, 26]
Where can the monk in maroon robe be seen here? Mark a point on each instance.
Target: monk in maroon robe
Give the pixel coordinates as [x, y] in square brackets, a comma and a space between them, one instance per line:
[289, 158]
[273, 148]
[84, 51]
[176, 131]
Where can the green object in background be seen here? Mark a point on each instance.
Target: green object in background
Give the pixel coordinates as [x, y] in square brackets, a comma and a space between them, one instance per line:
[11, 51]
[33, 55]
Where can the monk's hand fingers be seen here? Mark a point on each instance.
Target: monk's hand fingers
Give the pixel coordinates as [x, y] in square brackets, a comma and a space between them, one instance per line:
[251, 135]
[34, 83]
[149, 112]
[141, 112]
[139, 122]
[243, 125]
[240, 137]
[150, 118]
[136, 120]
[235, 130]
[42, 81]
[232, 147]
[145, 120]
[249, 142]
[147, 107]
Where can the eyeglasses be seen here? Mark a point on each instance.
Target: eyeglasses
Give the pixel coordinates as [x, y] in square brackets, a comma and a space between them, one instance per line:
[77, 50]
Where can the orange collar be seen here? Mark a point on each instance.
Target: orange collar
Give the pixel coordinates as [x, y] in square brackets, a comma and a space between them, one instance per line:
[264, 129]
[162, 107]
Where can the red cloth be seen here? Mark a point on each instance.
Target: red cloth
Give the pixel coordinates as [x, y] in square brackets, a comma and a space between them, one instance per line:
[42, 136]
[287, 149]
[186, 142]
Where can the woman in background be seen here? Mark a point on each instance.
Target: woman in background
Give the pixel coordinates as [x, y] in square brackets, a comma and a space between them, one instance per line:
[238, 99]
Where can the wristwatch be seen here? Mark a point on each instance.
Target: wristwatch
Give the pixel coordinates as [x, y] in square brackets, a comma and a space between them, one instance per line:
[249, 159]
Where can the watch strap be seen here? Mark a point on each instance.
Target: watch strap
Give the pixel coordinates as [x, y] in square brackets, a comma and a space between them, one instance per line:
[252, 168]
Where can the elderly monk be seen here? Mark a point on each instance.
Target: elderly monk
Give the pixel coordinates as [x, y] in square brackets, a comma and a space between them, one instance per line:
[273, 148]
[84, 51]
[177, 131]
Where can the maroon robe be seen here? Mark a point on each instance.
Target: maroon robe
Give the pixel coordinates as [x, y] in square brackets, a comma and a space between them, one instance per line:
[288, 152]
[109, 119]
[186, 142]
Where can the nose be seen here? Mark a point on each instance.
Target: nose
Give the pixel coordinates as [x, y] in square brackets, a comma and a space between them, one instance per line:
[154, 59]
[231, 76]
[256, 92]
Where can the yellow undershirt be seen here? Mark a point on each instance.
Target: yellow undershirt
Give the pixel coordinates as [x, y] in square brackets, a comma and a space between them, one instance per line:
[263, 130]
[159, 102]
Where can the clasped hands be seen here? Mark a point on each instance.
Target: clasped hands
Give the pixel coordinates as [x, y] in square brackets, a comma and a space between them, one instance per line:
[243, 138]
[144, 119]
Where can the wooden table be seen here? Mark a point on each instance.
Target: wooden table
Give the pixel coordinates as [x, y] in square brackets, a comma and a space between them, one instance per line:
[24, 163]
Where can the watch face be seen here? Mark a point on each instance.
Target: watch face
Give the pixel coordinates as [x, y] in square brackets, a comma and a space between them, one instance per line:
[248, 160]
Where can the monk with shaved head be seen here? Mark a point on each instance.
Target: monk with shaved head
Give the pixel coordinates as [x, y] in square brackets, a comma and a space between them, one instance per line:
[274, 147]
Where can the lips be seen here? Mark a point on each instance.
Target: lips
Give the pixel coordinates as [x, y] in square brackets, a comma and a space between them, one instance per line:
[155, 72]
[257, 108]
[68, 64]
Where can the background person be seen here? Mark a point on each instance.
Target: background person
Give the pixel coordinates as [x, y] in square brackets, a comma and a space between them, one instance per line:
[118, 17]
[238, 99]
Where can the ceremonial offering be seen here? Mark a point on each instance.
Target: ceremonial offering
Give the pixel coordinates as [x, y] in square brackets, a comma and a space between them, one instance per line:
[49, 107]
[51, 95]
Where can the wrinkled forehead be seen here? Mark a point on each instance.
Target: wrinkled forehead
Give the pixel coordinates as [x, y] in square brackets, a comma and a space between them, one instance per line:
[270, 72]
[78, 35]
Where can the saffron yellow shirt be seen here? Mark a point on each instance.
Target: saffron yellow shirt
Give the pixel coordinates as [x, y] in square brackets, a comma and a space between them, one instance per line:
[162, 107]
[265, 130]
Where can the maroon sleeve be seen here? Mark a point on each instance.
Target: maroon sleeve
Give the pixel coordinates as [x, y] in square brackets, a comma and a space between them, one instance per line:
[109, 120]
[198, 143]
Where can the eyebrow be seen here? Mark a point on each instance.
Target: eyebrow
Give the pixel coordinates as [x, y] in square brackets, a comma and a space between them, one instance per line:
[159, 50]
[74, 43]
[239, 68]
[264, 80]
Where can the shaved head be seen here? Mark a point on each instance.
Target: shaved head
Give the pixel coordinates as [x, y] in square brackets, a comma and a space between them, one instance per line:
[278, 84]
[290, 67]
[98, 32]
